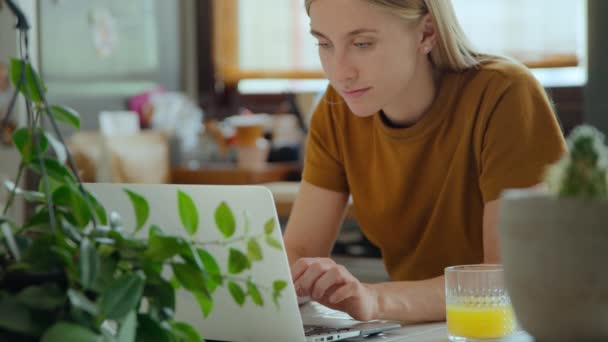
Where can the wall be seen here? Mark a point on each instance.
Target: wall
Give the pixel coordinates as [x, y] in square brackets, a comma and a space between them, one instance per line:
[9, 158]
[596, 92]
[89, 89]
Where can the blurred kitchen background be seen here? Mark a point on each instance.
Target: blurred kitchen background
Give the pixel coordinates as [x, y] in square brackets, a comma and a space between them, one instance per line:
[221, 91]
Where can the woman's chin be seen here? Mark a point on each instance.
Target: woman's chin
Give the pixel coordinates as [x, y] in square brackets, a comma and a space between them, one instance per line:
[362, 111]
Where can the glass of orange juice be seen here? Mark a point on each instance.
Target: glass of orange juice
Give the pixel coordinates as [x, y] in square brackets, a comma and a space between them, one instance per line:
[477, 304]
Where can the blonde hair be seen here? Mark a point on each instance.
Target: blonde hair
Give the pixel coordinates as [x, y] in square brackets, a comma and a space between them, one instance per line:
[453, 50]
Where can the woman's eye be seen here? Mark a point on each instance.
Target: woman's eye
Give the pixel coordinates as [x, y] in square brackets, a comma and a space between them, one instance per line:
[323, 45]
[363, 45]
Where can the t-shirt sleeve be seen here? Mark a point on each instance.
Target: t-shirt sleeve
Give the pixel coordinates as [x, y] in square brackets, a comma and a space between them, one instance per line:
[323, 162]
[522, 137]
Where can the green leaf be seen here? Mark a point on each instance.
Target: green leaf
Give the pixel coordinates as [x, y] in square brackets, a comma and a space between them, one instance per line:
[89, 263]
[204, 302]
[128, 328]
[237, 293]
[162, 247]
[58, 147]
[269, 226]
[274, 243]
[23, 139]
[44, 297]
[256, 297]
[149, 329]
[54, 169]
[191, 278]
[254, 251]
[40, 219]
[141, 208]
[66, 115]
[237, 262]
[71, 198]
[212, 268]
[32, 86]
[15, 317]
[122, 296]
[184, 332]
[224, 220]
[53, 184]
[187, 212]
[80, 301]
[279, 285]
[160, 294]
[99, 210]
[64, 331]
[37, 254]
[190, 255]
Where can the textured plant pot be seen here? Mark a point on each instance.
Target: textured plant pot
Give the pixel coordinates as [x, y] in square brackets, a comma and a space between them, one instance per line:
[555, 256]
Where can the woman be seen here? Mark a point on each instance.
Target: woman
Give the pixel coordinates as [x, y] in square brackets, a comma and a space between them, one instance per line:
[424, 133]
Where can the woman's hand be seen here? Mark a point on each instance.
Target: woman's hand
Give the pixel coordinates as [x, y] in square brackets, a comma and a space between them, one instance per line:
[334, 286]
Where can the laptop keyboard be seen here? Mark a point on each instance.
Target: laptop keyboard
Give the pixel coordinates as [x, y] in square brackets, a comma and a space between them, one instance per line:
[313, 330]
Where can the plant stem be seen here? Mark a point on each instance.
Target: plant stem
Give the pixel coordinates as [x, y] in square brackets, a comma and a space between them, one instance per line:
[11, 197]
[224, 243]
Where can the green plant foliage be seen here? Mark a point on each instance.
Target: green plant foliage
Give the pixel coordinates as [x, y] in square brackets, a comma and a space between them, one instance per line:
[66, 115]
[583, 172]
[72, 270]
[141, 208]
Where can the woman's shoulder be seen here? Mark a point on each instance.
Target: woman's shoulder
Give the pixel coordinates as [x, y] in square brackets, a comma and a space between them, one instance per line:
[503, 70]
[492, 76]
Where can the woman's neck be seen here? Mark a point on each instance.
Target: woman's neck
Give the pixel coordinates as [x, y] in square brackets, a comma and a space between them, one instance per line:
[415, 99]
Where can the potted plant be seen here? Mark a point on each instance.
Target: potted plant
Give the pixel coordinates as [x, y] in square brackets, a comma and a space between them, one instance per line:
[72, 272]
[553, 245]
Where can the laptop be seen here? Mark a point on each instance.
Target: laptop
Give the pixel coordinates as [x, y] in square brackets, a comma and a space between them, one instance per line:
[252, 206]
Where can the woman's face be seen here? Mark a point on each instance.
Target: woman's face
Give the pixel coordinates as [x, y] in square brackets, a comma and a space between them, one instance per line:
[369, 55]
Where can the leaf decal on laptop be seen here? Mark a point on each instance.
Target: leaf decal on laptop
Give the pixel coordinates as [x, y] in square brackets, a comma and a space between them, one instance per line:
[254, 251]
[237, 261]
[278, 286]
[269, 226]
[237, 293]
[274, 243]
[187, 212]
[256, 297]
[224, 220]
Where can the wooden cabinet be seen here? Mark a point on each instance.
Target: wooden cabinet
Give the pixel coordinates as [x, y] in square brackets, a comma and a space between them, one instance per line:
[229, 174]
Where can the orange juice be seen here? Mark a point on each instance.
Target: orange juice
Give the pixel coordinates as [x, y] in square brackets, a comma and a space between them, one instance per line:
[480, 322]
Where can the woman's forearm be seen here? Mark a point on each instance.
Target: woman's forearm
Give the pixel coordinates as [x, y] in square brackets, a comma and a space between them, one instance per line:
[411, 301]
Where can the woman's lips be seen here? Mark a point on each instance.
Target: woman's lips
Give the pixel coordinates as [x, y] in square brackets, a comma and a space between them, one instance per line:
[355, 94]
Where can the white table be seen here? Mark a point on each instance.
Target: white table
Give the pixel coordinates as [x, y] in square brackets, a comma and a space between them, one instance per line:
[430, 332]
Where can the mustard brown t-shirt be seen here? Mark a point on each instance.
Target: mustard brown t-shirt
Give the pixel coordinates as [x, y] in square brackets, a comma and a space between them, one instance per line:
[419, 192]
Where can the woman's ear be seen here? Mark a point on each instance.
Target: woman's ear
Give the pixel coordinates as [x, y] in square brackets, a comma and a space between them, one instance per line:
[428, 34]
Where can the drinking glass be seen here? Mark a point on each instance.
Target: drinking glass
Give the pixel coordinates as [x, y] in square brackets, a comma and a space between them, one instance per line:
[477, 304]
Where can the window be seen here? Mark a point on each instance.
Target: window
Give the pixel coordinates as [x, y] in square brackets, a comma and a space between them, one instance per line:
[263, 38]
[541, 33]
[270, 39]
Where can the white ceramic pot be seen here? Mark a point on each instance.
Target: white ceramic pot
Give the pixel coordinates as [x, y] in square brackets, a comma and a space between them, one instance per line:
[555, 256]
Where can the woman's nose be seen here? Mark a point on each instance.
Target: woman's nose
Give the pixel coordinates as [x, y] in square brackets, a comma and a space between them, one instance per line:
[345, 70]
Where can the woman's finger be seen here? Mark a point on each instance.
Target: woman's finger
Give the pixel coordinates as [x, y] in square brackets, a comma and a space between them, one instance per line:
[314, 271]
[343, 293]
[329, 279]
